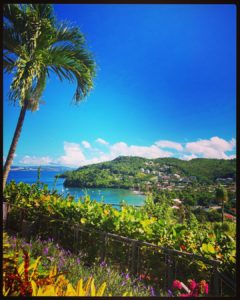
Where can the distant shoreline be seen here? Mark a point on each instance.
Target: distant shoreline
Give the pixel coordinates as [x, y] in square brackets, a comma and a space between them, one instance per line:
[104, 187]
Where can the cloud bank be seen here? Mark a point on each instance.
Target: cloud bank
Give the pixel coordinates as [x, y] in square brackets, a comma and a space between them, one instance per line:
[81, 154]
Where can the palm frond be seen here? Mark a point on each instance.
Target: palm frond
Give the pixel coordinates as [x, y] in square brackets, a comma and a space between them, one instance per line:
[44, 11]
[8, 61]
[11, 40]
[12, 12]
[70, 62]
[70, 34]
[42, 47]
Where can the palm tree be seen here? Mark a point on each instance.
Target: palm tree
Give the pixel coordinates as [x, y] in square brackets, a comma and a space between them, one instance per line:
[34, 47]
[222, 197]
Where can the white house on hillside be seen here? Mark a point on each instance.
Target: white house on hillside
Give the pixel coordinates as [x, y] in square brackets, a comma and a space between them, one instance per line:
[177, 201]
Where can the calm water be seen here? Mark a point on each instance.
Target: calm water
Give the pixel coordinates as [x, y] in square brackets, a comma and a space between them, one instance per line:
[113, 196]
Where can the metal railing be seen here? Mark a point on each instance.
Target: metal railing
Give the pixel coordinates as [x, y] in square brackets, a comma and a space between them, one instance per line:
[137, 257]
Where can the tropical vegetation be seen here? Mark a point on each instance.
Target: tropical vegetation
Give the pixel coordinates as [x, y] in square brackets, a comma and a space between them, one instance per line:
[134, 172]
[48, 214]
[42, 268]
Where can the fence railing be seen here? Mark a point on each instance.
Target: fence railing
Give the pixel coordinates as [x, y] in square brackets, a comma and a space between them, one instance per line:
[158, 264]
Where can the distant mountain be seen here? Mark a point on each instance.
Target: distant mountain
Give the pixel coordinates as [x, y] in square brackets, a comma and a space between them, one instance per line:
[42, 168]
[129, 171]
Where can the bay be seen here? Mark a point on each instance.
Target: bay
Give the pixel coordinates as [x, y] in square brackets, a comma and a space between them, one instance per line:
[106, 195]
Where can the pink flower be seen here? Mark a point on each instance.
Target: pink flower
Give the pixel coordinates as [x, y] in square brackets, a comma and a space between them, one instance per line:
[185, 295]
[177, 284]
[206, 288]
[203, 287]
[192, 284]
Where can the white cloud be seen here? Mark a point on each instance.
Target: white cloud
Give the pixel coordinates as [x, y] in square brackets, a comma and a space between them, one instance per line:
[152, 151]
[73, 155]
[212, 148]
[169, 144]
[86, 144]
[232, 156]
[35, 160]
[188, 157]
[101, 141]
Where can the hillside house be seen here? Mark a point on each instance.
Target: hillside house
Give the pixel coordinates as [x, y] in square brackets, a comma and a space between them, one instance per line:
[177, 176]
[177, 201]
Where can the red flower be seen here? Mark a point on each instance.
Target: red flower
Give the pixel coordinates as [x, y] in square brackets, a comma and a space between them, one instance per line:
[177, 284]
[143, 276]
[192, 284]
[183, 247]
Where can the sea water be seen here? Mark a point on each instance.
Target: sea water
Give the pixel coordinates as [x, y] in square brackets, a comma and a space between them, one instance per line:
[106, 195]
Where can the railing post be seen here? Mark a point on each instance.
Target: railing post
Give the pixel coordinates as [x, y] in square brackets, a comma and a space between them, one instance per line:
[105, 240]
[170, 263]
[75, 235]
[134, 258]
[215, 280]
[169, 270]
[21, 219]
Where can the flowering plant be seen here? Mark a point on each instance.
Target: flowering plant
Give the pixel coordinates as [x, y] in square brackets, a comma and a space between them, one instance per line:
[193, 289]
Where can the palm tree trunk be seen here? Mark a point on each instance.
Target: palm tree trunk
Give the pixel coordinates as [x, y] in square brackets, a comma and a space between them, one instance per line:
[222, 211]
[12, 149]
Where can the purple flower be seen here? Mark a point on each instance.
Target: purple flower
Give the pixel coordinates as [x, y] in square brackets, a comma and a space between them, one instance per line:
[103, 264]
[62, 258]
[127, 276]
[152, 291]
[123, 283]
[45, 251]
[78, 261]
[170, 293]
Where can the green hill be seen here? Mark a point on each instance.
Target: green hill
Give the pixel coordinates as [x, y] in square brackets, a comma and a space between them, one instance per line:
[129, 172]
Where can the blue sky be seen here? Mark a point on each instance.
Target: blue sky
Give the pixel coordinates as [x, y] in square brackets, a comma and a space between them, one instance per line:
[165, 86]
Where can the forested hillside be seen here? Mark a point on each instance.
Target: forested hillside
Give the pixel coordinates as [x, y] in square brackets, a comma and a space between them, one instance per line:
[130, 172]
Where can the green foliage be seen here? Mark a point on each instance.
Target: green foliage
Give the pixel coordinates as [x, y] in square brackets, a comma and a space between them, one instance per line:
[154, 223]
[35, 46]
[126, 172]
[221, 194]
